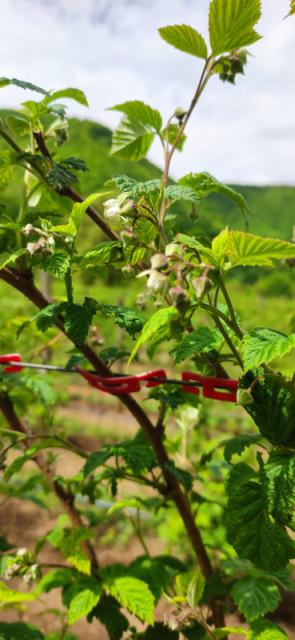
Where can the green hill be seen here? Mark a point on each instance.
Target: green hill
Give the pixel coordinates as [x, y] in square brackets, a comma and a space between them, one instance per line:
[272, 209]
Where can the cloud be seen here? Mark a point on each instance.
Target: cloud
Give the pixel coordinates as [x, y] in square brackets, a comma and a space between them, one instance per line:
[111, 50]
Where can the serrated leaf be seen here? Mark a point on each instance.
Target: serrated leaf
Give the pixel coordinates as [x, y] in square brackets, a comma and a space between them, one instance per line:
[250, 529]
[73, 94]
[265, 630]
[186, 39]
[231, 24]
[22, 85]
[255, 597]
[260, 346]
[138, 111]
[19, 630]
[279, 486]
[132, 593]
[84, 601]
[101, 254]
[201, 340]
[131, 139]
[156, 329]
[77, 320]
[137, 454]
[193, 243]
[203, 184]
[273, 408]
[13, 257]
[41, 388]
[177, 192]
[57, 264]
[237, 445]
[134, 188]
[237, 248]
[123, 316]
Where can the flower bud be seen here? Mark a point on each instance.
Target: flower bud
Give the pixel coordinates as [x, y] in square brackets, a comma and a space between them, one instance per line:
[156, 281]
[174, 249]
[201, 285]
[158, 261]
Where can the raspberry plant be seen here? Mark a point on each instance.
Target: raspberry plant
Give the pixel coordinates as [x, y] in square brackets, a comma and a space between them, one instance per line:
[232, 551]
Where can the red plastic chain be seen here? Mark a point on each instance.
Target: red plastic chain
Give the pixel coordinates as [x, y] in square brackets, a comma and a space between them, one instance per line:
[215, 388]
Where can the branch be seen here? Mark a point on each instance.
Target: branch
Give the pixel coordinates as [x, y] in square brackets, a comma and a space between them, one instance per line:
[69, 192]
[66, 498]
[154, 435]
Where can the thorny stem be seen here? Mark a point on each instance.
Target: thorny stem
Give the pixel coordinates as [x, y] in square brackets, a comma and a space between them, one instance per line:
[154, 435]
[66, 498]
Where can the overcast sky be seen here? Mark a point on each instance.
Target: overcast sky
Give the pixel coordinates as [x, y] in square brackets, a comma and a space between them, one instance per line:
[111, 50]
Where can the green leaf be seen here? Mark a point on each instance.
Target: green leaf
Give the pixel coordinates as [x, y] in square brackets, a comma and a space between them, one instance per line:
[171, 132]
[134, 188]
[157, 329]
[19, 630]
[237, 445]
[101, 254]
[131, 139]
[41, 388]
[108, 612]
[138, 111]
[22, 85]
[260, 346]
[180, 192]
[279, 487]
[73, 94]
[79, 209]
[203, 184]
[292, 8]
[57, 264]
[158, 572]
[273, 409]
[136, 453]
[184, 477]
[15, 466]
[85, 600]
[237, 248]
[250, 529]
[13, 257]
[265, 630]
[185, 38]
[231, 24]
[46, 317]
[123, 316]
[201, 340]
[78, 318]
[132, 593]
[192, 243]
[191, 585]
[10, 596]
[53, 580]
[255, 597]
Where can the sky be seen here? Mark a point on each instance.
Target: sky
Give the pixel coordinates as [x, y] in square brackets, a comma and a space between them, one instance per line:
[112, 51]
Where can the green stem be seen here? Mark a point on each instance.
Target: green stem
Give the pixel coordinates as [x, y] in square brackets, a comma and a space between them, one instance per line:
[69, 286]
[231, 309]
